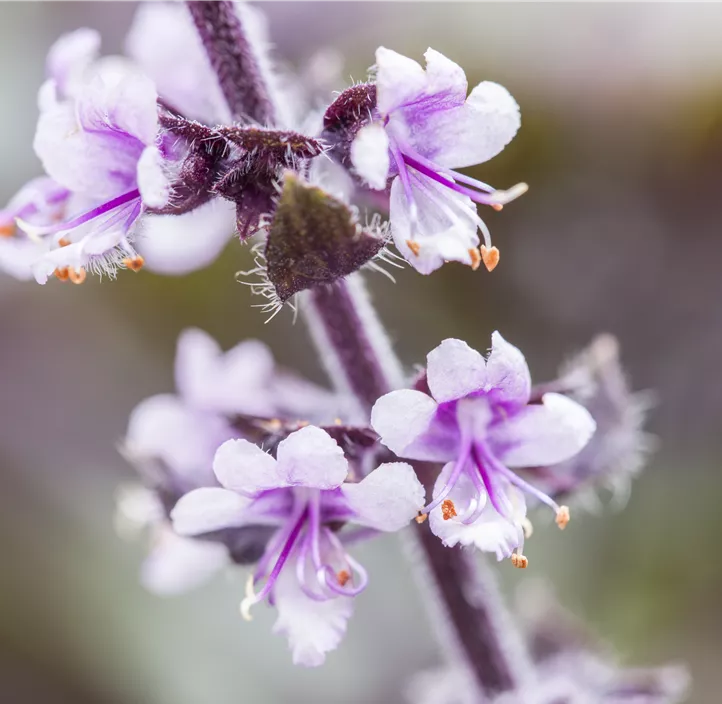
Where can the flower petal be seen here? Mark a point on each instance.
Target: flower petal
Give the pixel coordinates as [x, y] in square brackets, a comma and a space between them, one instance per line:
[508, 374]
[490, 532]
[152, 181]
[388, 498]
[311, 457]
[544, 434]
[243, 467]
[236, 381]
[398, 80]
[70, 56]
[412, 426]
[370, 155]
[179, 244]
[313, 628]
[470, 134]
[455, 370]
[209, 509]
[176, 564]
[444, 228]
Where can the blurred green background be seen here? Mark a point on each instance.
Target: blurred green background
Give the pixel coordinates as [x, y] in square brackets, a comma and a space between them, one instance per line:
[621, 143]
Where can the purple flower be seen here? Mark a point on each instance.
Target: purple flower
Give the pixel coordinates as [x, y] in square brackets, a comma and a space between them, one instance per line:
[97, 137]
[172, 439]
[478, 419]
[305, 571]
[423, 126]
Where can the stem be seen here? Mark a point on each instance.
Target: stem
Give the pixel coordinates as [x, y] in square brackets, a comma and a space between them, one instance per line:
[233, 60]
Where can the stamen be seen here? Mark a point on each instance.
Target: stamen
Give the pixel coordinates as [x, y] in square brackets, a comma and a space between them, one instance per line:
[62, 273]
[490, 257]
[475, 259]
[448, 510]
[519, 561]
[563, 517]
[498, 207]
[7, 230]
[63, 242]
[421, 517]
[77, 276]
[342, 577]
[134, 263]
[415, 247]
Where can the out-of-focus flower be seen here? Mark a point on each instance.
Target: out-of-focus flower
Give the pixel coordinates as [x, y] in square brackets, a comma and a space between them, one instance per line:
[414, 126]
[309, 576]
[172, 439]
[97, 137]
[478, 418]
[620, 446]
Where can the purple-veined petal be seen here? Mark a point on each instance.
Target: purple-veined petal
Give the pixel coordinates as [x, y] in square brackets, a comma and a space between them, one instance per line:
[474, 132]
[455, 370]
[410, 425]
[186, 440]
[388, 498]
[444, 229]
[445, 80]
[209, 509]
[312, 628]
[179, 244]
[243, 467]
[232, 382]
[399, 80]
[176, 564]
[544, 434]
[152, 181]
[490, 532]
[508, 373]
[310, 457]
[370, 155]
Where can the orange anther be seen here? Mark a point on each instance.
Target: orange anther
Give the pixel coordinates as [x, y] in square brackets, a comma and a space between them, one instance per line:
[421, 517]
[415, 247]
[7, 230]
[448, 510]
[63, 242]
[62, 274]
[563, 517]
[490, 257]
[77, 276]
[343, 576]
[475, 259]
[497, 206]
[134, 263]
[519, 561]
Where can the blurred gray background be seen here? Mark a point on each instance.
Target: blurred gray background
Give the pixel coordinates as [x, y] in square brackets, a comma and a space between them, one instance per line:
[621, 144]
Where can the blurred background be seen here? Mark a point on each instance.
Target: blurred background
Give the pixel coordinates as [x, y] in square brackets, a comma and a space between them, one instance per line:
[621, 143]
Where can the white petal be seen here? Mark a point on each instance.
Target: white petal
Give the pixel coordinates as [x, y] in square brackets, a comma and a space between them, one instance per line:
[406, 421]
[176, 564]
[311, 457]
[313, 628]
[398, 80]
[508, 372]
[370, 155]
[445, 79]
[70, 56]
[473, 133]
[209, 509]
[490, 532]
[243, 467]
[454, 370]
[388, 498]
[179, 244]
[444, 228]
[152, 181]
[543, 434]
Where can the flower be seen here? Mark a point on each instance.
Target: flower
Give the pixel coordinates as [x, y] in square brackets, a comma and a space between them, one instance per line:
[306, 571]
[97, 137]
[172, 439]
[422, 127]
[477, 418]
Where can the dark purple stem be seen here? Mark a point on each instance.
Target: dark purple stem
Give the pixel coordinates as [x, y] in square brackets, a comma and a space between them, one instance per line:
[233, 60]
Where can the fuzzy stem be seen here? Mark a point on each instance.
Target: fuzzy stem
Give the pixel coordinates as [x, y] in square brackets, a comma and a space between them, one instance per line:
[468, 614]
[233, 60]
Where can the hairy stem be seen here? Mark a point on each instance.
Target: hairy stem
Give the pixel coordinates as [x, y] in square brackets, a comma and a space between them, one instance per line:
[233, 60]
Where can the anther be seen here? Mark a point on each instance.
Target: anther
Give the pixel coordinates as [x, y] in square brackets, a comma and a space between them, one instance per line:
[519, 561]
[77, 276]
[498, 207]
[415, 247]
[63, 242]
[490, 257]
[342, 577]
[7, 230]
[448, 510]
[62, 273]
[134, 263]
[475, 259]
[563, 517]
[421, 517]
